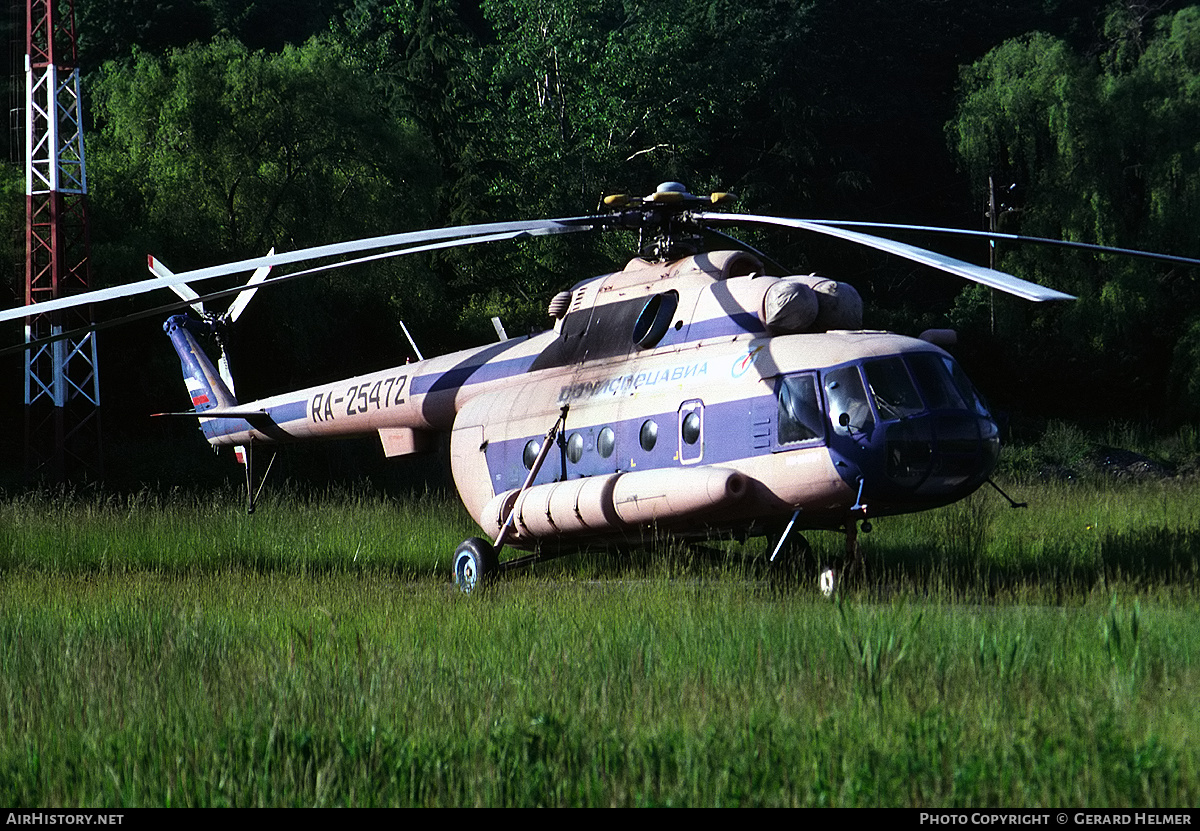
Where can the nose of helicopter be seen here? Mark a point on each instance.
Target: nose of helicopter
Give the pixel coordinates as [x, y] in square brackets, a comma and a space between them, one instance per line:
[910, 431]
[939, 456]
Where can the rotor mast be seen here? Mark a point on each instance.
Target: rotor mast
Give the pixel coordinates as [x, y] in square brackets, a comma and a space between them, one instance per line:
[62, 385]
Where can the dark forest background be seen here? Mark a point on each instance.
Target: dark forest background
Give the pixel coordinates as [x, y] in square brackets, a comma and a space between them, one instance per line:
[220, 128]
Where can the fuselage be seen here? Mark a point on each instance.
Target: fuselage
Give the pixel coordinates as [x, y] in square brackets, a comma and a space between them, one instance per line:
[689, 409]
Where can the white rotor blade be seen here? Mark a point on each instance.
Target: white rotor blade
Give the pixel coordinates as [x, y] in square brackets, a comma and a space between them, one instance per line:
[283, 278]
[187, 293]
[1021, 238]
[226, 373]
[537, 227]
[978, 274]
[161, 271]
[242, 300]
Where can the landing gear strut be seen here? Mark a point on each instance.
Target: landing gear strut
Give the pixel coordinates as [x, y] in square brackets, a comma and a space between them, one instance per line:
[476, 560]
[830, 579]
[791, 561]
[793, 556]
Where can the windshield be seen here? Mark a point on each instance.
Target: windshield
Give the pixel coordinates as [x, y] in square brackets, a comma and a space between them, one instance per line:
[905, 385]
[933, 375]
[892, 388]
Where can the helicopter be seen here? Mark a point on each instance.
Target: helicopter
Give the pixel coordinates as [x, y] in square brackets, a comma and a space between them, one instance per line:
[692, 392]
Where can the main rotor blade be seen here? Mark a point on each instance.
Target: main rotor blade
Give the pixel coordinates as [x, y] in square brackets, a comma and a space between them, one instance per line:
[463, 234]
[995, 235]
[978, 274]
[282, 278]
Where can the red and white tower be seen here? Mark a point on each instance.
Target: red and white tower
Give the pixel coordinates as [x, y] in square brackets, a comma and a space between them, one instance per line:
[62, 385]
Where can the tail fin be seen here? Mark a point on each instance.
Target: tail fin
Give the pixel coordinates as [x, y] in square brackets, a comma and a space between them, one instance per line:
[209, 392]
[204, 384]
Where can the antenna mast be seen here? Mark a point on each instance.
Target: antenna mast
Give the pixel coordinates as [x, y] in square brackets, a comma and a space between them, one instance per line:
[62, 386]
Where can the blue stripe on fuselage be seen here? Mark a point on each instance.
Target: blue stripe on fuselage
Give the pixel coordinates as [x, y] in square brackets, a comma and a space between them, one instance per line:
[728, 435]
[295, 411]
[481, 368]
[474, 373]
[732, 325]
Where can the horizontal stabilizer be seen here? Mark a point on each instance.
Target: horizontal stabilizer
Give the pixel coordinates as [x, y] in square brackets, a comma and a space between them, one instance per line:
[250, 415]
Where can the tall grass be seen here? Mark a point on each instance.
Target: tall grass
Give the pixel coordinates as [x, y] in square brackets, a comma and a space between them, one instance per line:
[1071, 536]
[189, 532]
[169, 650]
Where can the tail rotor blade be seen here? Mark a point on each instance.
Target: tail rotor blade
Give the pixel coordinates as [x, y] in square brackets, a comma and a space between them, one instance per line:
[224, 371]
[242, 300]
[158, 269]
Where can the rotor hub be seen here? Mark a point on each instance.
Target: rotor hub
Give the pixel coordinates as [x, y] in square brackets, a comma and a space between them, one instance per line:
[665, 229]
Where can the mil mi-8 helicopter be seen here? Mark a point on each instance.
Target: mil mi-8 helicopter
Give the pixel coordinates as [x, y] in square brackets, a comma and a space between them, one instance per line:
[690, 393]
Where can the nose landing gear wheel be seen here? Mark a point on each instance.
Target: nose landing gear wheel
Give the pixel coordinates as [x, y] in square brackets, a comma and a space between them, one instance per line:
[827, 580]
[849, 568]
[475, 564]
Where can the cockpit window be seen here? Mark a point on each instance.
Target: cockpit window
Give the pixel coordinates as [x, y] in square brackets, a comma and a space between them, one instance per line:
[933, 377]
[899, 387]
[800, 417]
[965, 388]
[848, 407]
[892, 388]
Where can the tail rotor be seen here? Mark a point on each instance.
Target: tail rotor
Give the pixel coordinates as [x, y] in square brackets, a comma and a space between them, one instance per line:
[220, 323]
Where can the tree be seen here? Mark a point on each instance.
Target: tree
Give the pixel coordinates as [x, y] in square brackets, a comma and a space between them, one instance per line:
[1103, 149]
[112, 31]
[214, 152]
[556, 104]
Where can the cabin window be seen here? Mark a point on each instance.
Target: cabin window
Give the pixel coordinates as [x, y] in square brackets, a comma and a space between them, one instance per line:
[606, 442]
[800, 417]
[648, 435]
[575, 448]
[691, 431]
[655, 319]
[529, 456]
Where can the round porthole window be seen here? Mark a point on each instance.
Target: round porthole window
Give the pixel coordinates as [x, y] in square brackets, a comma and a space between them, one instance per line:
[606, 442]
[648, 436]
[532, 448]
[575, 448]
[690, 430]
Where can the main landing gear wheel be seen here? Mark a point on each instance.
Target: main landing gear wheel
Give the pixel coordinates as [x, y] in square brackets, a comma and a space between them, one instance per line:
[475, 564]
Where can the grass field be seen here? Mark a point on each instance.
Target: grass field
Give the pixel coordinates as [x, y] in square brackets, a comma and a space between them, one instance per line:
[166, 649]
